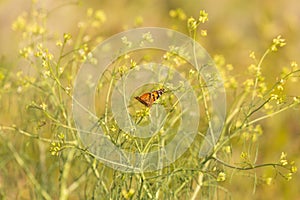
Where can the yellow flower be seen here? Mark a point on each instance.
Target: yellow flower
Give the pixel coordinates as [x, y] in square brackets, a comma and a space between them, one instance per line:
[268, 180]
[20, 23]
[67, 36]
[178, 13]
[203, 33]
[100, 16]
[252, 55]
[192, 24]
[283, 159]
[277, 42]
[221, 177]
[294, 169]
[203, 17]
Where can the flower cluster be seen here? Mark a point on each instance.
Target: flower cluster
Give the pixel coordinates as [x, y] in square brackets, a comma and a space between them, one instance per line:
[277, 42]
[193, 23]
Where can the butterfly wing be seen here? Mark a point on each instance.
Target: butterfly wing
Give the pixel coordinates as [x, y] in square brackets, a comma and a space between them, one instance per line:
[146, 99]
[149, 98]
[156, 94]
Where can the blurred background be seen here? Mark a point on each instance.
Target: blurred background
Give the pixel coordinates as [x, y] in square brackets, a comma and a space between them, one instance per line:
[235, 28]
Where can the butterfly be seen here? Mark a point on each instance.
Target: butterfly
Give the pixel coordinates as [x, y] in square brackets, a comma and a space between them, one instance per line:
[150, 97]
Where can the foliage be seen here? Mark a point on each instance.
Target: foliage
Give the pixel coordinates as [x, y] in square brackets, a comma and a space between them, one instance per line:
[42, 144]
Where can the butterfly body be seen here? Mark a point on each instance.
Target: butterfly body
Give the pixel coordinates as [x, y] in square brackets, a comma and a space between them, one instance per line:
[150, 97]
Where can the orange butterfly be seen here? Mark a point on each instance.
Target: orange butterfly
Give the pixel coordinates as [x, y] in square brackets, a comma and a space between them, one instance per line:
[150, 97]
